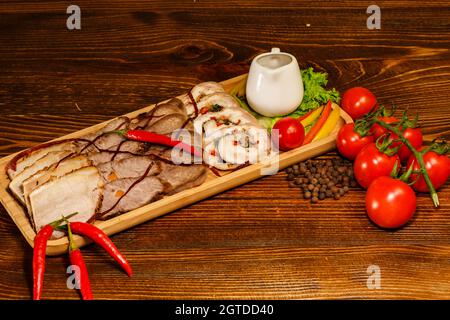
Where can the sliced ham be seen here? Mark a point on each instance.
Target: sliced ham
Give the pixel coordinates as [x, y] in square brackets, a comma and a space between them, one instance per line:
[167, 124]
[55, 170]
[79, 191]
[43, 163]
[123, 150]
[28, 157]
[118, 123]
[145, 120]
[132, 167]
[103, 138]
[177, 178]
[104, 142]
[160, 152]
[130, 193]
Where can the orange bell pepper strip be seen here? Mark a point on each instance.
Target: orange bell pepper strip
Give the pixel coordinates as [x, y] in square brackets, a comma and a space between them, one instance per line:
[319, 124]
[311, 117]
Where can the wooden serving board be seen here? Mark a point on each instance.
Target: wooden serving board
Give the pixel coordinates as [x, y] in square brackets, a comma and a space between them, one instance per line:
[213, 184]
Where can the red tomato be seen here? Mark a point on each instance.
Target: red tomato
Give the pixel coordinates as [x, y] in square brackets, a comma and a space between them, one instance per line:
[371, 163]
[289, 132]
[349, 143]
[358, 101]
[390, 203]
[378, 130]
[415, 137]
[438, 168]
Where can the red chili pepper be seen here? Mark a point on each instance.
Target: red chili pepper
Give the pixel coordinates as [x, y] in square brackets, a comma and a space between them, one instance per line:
[147, 136]
[40, 247]
[76, 258]
[319, 124]
[100, 238]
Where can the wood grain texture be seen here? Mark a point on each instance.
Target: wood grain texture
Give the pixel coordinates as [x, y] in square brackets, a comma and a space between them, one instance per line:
[259, 240]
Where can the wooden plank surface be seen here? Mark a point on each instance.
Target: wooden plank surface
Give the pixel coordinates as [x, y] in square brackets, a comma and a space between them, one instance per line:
[258, 240]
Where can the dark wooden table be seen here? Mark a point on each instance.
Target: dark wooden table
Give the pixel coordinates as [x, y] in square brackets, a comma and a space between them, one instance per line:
[259, 240]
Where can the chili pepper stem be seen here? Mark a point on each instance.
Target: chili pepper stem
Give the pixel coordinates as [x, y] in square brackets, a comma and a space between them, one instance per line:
[57, 223]
[122, 132]
[72, 245]
[418, 156]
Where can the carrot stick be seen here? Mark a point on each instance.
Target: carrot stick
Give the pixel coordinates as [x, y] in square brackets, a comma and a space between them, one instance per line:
[319, 124]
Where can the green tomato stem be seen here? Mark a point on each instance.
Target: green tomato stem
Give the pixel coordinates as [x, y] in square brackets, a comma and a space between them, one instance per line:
[418, 156]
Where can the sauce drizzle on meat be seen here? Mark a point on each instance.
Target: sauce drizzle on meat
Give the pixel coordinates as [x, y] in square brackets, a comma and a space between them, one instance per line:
[128, 190]
[194, 103]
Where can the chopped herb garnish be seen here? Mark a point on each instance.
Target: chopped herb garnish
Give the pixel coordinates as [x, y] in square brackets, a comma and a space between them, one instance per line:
[216, 108]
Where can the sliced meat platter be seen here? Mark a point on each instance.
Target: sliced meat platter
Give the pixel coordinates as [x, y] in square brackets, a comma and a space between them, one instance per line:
[102, 174]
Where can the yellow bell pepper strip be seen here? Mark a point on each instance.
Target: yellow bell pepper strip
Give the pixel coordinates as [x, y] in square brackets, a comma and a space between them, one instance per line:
[330, 124]
[311, 117]
[319, 123]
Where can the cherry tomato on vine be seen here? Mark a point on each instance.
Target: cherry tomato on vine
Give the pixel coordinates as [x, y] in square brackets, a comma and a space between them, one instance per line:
[414, 135]
[438, 168]
[349, 143]
[358, 101]
[290, 133]
[378, 130]
[371, 163]
[390, 203]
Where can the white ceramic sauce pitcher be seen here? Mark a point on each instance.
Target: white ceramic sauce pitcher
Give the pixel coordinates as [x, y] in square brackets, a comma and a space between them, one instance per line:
[274, 85]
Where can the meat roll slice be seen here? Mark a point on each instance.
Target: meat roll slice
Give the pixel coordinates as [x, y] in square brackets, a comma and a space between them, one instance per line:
[206, 88]
[244, 144]
[236, 145]
[198, 92]
[208, 124]
[221, 99]
[211, 156]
